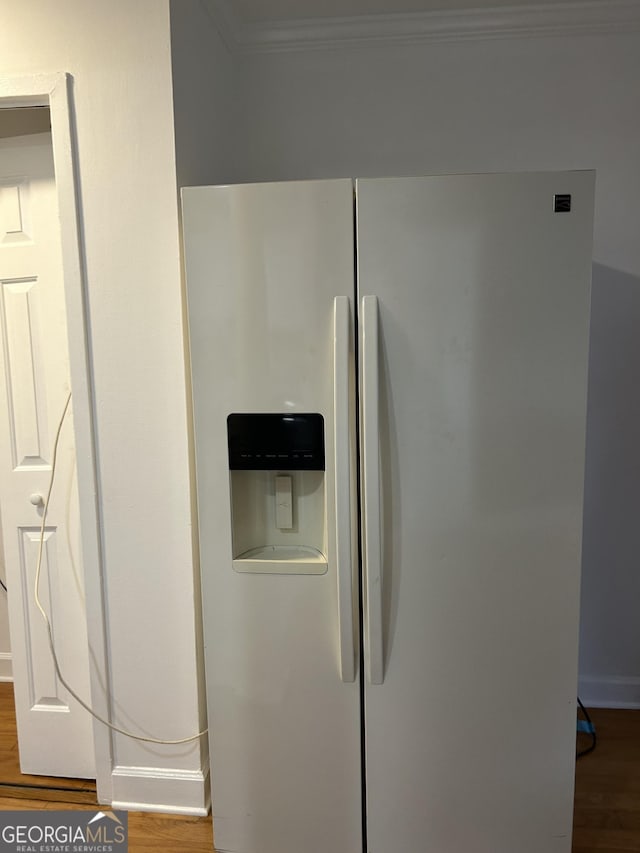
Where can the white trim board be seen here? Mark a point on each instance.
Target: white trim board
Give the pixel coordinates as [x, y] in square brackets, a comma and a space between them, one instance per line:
[580, 17]
[153, 789]
[609, 691]
[6, 672]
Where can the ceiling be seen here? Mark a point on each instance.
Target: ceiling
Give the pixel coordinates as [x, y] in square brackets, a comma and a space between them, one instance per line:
[23, 121]
[260, 11]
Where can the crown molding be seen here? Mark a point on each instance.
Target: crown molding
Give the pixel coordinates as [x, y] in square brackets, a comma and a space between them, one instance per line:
[585, 17]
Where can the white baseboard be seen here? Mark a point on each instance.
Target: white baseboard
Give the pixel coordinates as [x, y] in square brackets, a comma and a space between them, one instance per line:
[157, 789]
[6, 671]
[609, 692]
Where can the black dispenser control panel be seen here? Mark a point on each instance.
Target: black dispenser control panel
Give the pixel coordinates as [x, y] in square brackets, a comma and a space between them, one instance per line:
[263, 442]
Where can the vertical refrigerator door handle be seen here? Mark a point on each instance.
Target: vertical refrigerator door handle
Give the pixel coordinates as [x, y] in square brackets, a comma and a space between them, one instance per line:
[342, 437]
[371, 491]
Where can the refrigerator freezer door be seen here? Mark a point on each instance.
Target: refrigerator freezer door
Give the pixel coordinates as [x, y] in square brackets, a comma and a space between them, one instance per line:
[483, 301]
[264, 264]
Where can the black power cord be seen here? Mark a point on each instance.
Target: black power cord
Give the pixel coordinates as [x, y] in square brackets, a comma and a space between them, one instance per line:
[3, 585]
[587, 727]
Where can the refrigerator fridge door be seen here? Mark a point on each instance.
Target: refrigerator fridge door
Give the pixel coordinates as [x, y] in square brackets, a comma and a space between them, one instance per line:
[270, 297]
[481, 331]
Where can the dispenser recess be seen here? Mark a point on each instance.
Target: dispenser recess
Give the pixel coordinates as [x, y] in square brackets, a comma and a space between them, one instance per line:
[276, 469]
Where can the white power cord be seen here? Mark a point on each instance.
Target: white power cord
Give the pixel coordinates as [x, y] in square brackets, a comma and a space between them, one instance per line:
[48, 623]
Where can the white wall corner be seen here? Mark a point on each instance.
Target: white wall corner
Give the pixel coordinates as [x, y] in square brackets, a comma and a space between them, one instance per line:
[586, 17]
[609, 691]
[6, 671]
[156, 789]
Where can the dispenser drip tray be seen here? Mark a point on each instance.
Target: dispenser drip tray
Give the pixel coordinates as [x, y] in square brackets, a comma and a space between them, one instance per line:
[282, 560]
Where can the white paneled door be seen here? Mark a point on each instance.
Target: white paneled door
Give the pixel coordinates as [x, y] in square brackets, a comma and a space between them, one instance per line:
[55, 733]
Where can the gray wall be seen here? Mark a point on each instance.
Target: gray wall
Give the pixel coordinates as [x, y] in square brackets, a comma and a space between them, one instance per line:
[203, 73]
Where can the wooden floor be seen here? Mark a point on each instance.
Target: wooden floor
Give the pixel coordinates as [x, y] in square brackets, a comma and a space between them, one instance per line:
[148, 833]
[607, 810]
[607, 814]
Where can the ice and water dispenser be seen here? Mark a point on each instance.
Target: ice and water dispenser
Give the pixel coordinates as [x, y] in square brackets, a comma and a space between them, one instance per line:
[276, 469]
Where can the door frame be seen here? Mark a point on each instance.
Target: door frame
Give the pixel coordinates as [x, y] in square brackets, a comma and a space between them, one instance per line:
[56, 92]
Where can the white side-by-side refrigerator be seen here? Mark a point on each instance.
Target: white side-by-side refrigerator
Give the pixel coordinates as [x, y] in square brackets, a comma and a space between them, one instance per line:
[389, 396]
